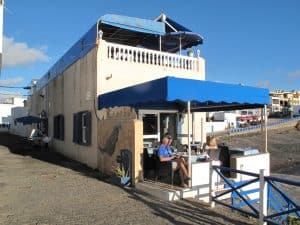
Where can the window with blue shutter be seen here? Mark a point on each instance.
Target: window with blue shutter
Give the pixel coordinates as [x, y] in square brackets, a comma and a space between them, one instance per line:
[82, 127]
[59, 127]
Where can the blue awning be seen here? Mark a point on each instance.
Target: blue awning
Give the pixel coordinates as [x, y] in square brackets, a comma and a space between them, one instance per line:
[204, 95]
[176, 33]
[134, 24]
[170, 41]
[26, 120]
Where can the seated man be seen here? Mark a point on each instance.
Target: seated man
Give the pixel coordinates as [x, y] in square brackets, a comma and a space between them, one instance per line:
[165, 154]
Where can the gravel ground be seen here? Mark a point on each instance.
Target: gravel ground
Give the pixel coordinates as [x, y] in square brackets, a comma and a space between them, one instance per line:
[284, 148]
[283, 145]
[45, 188]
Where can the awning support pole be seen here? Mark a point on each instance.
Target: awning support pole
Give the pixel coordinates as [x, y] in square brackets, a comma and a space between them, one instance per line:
[160, 43]
[193, 127]
[179, 45]
[202, 131]
[189, 140]
[262, 124]
[266, 128]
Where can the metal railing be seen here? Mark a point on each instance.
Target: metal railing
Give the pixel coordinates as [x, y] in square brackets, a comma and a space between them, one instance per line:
[150, 57]
[257, 127]
[260, 197]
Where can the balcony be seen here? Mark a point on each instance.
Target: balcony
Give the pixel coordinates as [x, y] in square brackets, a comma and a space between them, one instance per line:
[124, 66]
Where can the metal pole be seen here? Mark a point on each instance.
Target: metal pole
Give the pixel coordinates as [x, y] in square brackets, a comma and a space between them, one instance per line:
[211, 193]
[193, 127]
[263, 207]
[202, 130]
[189, 139]
[160, 43]
[266, 128]
[262, 123]
[179, 45]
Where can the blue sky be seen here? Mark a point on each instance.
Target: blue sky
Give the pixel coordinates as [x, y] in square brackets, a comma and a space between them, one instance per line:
[251, 42]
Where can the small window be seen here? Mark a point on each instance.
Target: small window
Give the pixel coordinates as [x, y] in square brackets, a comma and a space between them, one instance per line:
[82, 126]
[59, 127]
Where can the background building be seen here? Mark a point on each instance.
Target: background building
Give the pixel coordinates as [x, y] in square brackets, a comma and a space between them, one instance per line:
[6, 105]
[284, 102]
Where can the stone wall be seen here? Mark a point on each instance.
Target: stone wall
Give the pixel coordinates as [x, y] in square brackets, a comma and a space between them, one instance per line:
[119, 129]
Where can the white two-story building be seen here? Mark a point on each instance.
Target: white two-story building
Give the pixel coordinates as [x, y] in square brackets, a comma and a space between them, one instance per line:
[120, 52]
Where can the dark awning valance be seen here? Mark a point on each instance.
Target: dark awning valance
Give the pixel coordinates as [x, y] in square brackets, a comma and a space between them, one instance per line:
[26, 120]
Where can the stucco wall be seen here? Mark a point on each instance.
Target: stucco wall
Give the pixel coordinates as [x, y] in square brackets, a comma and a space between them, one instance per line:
[119, 129]
[71, 92]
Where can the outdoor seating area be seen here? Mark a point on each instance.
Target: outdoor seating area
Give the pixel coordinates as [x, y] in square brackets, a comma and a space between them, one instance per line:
[165, 111]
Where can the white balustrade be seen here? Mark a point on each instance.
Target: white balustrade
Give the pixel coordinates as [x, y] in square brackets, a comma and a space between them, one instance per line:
[151, 57]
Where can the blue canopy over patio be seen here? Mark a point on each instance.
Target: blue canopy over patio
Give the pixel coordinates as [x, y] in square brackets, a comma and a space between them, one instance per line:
[175, 92]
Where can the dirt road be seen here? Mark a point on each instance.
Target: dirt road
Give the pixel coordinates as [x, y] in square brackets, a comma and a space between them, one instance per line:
[45, 188]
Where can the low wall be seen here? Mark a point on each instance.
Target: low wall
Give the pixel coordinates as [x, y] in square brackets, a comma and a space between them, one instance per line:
[119, 129]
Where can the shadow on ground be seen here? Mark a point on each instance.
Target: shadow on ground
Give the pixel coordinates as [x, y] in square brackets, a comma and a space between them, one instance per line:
[180, 212]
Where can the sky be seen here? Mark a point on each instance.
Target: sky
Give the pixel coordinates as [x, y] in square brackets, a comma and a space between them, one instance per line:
[255, 42]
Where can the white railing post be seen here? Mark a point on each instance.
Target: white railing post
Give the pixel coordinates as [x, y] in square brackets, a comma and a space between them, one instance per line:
[263, 197]
[210, 192]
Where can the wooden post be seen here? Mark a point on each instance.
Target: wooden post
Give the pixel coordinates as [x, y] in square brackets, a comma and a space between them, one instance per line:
[263, 198]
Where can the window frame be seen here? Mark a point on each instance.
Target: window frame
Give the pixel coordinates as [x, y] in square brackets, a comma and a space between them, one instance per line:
[59, 127]
[82, 128]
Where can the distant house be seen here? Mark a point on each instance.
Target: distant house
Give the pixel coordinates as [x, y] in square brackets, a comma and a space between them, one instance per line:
[283, 102]
[6, 104]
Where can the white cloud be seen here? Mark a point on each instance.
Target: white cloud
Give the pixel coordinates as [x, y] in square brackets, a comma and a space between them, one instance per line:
[294, 74]
[11, 81]
[19, 53]
[264, 84]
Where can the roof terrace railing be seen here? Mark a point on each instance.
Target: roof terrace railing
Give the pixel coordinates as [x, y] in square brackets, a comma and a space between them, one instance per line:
[151, 57]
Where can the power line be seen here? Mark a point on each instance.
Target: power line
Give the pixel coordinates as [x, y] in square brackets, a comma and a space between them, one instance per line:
[25, 87]
[13, 95]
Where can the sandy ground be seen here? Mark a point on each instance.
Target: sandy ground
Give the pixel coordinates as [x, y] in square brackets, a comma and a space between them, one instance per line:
[284, 148]
[283, 145]
[45, 188]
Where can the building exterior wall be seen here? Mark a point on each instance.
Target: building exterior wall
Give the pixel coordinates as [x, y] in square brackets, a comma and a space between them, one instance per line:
[119, 129]
[78, 87]
[131, 68]
[71, 92]
[198, 132]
